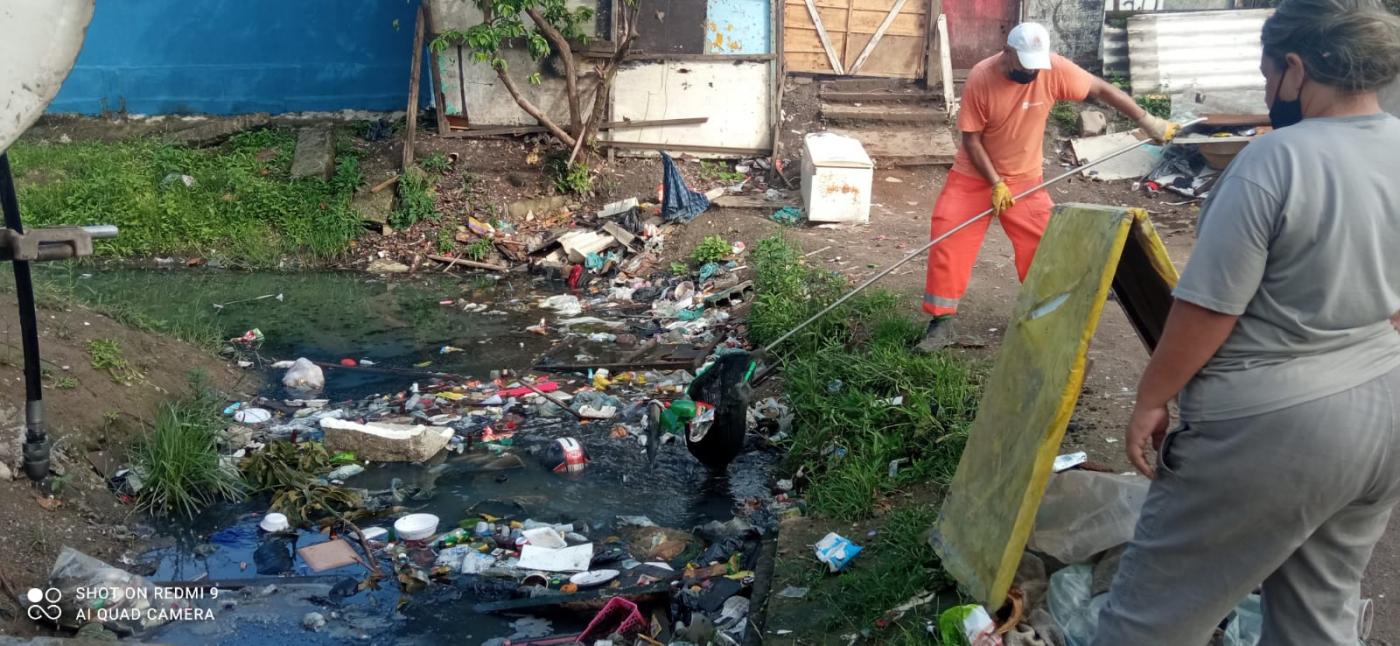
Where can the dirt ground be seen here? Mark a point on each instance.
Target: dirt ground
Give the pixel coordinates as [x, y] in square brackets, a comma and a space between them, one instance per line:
[91, 418]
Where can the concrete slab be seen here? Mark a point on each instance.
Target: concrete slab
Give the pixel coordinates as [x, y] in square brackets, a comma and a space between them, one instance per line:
[315, 154]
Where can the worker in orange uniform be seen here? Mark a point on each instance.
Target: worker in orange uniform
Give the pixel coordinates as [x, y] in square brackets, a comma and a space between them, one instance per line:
[1005, 105]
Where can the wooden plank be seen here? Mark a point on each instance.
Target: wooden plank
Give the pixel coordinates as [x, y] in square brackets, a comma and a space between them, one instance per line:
[933, 72]
[846, 35]
[495, 131]
[990, 510]
[453, 261]
[831, 56]
[415, 71]
[779, 86]
[897, 56]
[879, 32]
[701, 58]
[862, 22]
[751, 202]
[880, 6]
[435, 67]
[945, 65]
[723, 150]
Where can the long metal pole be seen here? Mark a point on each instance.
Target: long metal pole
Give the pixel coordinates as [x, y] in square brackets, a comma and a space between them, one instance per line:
[924, 249]
[36, 445]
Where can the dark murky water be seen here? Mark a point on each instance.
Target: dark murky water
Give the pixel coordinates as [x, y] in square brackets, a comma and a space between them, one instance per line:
[327, 316]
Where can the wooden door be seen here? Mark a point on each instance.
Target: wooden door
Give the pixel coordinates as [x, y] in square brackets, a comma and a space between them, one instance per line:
[978, 28]
[856, 37]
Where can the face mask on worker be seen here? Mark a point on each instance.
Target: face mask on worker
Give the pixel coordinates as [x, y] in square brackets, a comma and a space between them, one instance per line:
[1286, 113]
[1023, 76]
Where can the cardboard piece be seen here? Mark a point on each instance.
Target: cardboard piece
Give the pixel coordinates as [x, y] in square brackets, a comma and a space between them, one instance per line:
[1132, 165]
[328, 555]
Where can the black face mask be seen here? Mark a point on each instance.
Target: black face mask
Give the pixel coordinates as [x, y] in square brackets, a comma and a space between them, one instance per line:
[1023, 76]
[1286, 113]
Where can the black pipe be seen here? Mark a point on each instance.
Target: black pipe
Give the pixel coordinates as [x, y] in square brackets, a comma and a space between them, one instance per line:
[36, 442]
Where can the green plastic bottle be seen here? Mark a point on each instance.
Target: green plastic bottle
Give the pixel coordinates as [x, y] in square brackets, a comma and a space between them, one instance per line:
[677, 415]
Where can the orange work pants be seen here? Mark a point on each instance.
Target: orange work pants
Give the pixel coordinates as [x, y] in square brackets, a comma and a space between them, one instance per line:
[950, 262]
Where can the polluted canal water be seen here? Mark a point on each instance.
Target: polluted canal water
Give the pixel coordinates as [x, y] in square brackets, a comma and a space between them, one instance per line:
[473, 328]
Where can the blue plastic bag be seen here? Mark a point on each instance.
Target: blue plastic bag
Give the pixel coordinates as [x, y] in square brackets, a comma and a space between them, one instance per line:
[679, 204]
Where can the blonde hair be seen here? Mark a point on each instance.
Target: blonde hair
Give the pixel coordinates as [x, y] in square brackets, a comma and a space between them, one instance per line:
[1353, 45]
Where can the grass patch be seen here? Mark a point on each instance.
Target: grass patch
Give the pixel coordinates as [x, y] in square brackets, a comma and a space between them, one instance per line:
[106, 354]
[1064, 115]
[478, 250]
[243, 205]
[178, 460]
[711, 249]
[417, 199]
[719, 171]
[898, 564]
[569, 179]
[436, 163]
[844, 372]
[446, 239]
[1156, 104]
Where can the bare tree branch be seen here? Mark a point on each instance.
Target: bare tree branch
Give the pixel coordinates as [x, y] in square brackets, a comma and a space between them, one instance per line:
[531, 109]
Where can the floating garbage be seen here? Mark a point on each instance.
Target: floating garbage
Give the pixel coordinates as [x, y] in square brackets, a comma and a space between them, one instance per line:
[416, 527]
[252, 416]
[564, 455]
[304, 375]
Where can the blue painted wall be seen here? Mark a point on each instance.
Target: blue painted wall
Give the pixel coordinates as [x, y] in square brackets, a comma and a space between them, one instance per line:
[738, 27]
[242, 56]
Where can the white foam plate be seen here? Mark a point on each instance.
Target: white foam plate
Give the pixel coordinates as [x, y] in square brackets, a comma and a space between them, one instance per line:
[593, 577]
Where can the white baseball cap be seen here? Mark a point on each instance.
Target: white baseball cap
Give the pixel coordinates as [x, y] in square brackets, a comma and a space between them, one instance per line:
[1032, 45]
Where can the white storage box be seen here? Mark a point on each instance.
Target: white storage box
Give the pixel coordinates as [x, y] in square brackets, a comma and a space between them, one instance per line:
[836, 177]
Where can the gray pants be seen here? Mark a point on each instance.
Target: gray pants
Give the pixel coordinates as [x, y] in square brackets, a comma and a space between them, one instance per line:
[1295, 499]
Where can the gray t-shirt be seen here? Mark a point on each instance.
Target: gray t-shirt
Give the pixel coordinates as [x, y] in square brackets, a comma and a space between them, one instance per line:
[1301, 240]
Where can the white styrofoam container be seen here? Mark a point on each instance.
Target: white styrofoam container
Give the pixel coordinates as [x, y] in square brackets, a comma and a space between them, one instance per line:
[836, 178]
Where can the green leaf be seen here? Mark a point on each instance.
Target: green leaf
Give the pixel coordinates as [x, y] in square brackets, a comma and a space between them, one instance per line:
[535, 78]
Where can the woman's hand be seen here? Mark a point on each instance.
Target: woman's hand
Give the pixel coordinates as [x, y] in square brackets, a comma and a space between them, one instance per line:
[1146, 430]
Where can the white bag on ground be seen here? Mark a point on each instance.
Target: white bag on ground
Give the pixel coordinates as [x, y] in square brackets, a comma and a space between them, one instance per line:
[304, 375]
[1084, 513]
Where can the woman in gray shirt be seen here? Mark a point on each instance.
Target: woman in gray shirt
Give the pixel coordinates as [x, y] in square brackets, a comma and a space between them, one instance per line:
[1282, 356]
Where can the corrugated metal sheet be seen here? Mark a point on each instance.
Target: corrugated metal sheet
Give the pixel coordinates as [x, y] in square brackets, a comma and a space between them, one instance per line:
[1204, 51]
[1113, 50]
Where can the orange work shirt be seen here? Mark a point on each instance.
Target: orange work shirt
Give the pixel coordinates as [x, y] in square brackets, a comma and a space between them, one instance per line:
[1011, 116]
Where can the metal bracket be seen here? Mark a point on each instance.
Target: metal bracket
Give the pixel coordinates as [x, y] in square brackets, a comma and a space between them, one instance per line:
[58, 243]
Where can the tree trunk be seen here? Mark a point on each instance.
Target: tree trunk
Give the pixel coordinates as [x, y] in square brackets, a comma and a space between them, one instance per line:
[602, 93]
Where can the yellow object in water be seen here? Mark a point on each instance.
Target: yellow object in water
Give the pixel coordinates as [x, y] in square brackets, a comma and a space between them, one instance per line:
[987, 517]
[600, 379]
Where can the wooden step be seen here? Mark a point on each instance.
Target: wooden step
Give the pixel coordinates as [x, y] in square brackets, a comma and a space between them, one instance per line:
[845, 113]
[914, 95]
[898, 146]
[866, 84]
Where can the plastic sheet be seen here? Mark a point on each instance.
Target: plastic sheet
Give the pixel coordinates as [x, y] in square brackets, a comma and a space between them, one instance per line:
[1084, 513]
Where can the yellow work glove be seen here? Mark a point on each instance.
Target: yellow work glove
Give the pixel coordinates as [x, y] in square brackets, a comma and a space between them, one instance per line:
[1159, 129]
[1001, 198]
